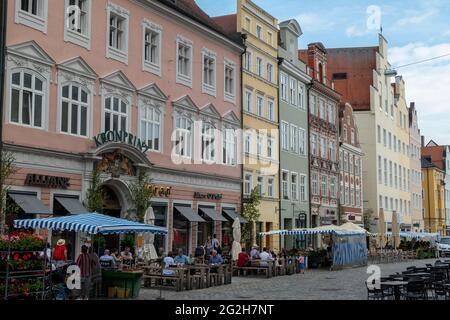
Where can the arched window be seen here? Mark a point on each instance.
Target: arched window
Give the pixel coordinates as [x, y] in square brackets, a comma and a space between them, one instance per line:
[151, 127]
[27, 99]
[74, 110]
[183, 137]
[116, 114]
[208, 142]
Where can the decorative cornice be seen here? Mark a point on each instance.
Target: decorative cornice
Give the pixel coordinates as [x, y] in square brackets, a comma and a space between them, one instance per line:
[118, 9]
[151, 25]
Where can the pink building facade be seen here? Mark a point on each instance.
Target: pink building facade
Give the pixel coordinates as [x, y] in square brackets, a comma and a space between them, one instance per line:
[121, 86]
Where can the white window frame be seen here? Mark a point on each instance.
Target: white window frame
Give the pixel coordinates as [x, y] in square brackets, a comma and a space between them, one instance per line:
[271, 109]
[303, 188]
[294, 138]
[259, 67]
[285, 130]
[88, 105]
[248, 182]
[285, 185]
[248, 60]
[38, 22]
[208, 155]
[248, 100]
[293, 91]
[78, 38]
[270, 72]
[294, 186]
[189, 133]
[271, 187]
[153, 109]
[315, 184]
[333, 187]
[302, 142]
[127, 102]
[260, 35]
[229, 144]
[183, 79]
[249, 20]
[270, 38]
[270, 147]
[314, 144]
[111, 52]
[259, 106]
[324, 186]
[149, 66]
[260, 185]
[284, 86]
[206, 87]
[44, 93]
[301, 96]
[229, 96]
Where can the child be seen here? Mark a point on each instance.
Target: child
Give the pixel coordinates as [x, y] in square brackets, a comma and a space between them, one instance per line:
[301, 264]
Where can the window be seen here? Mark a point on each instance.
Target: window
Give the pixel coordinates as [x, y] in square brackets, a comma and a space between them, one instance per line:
[230, 81]
[259, 63]
[77, 27]
[380, 202]
[248, 101]
[184, 61]
[331, 118]
[351, 163]
[152, 47]
[248, 142]
[27, 99]
[347, 195]
[260, 185]
[380, 174]
[74, 110]
[248, 61]
[404, 179]
[324, 186]
[303, 183]
[352, 136]
[302, 141]
[323, 147]
[314, 144]
[384, 137]
[313, 106]
[390, 140]
[259, 32]
[209, 72]
[183, 137]
[358, 198]
[270, 72]
[333, 189]
[32, 13]
[259, 105]
[392, 204]
[385, 172]
[270, 187]
[352, 197]
[357, 167]
[332, 151]
[270, 110]
[322, 110]
[345, 162]
[117, 33]
[400, 177]
[285, 136]
[379, 134]
[293, 91]
[395, 176]
[314, 183]
[270, 38]
[248, 183]
[294, 139]
[116, 114]
[229, 147]
[390, 174]
[409, 181]
[285, 185]
[294, 186]
[386, 203]
[395, 143]
[270, 144]
[342, 194]
[344, 133]
[301, 96]
[259, 145]
[283, 84]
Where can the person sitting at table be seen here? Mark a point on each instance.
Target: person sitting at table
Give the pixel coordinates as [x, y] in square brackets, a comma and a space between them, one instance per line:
[106, 259]
[116, 257]
[265, 257]
[181, 258]
[127, 256]
[215, 260]
[254, 254]
[243, 259]
[168, 262]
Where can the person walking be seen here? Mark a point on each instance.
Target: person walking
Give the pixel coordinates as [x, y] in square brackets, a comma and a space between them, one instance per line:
[85, 264]
[216, 244]
[60, 253]
[96, 273]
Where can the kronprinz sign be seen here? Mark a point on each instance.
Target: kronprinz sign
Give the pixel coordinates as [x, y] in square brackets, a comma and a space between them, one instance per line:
[120, 137]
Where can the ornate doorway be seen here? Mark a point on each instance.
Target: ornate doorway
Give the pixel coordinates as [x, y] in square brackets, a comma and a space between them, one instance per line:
[111, 207]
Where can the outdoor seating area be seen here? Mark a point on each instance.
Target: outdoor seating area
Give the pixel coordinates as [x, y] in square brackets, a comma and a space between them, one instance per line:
[390, 256]
[415, 283]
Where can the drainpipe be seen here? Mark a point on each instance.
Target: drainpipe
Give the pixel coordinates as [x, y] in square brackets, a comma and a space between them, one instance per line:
[280, 223]
[3, 23]
[309, 86]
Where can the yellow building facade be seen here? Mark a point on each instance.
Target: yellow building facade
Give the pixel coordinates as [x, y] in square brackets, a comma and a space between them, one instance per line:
[260, 115]
[433, 197]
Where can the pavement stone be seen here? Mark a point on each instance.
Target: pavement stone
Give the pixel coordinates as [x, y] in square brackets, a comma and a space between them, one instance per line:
[347, 284]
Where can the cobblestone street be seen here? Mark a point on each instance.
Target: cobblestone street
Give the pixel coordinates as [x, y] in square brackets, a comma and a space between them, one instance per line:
[346, 284]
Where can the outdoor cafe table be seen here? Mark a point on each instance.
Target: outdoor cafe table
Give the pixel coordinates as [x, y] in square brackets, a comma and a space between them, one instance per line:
[396, 285]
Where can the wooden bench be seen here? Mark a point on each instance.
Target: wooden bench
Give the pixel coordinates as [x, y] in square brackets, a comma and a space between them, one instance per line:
[255, 265]
[154, 278]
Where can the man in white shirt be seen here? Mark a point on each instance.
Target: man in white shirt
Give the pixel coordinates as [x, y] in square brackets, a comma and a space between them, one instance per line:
[168, 262]
[265, 256]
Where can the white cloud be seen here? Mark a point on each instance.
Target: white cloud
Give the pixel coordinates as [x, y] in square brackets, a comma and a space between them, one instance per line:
[314, 22]
[427, 85]
[416, 17]
[357, 31]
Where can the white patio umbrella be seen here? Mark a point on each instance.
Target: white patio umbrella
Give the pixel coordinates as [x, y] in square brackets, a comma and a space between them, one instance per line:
[395, 231]
[149, 238]
[236, 246]
[381, 229]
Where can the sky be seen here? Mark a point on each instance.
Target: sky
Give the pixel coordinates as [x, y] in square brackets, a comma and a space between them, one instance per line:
[416, 30]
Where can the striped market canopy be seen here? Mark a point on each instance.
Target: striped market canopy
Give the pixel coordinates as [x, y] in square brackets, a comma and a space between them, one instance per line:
[411, 235]
[91, 223]
[320, 230]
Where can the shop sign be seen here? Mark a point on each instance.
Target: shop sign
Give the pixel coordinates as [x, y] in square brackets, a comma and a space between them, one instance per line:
[121, 137]
[159, 190]
[209, 196]
[47, 181]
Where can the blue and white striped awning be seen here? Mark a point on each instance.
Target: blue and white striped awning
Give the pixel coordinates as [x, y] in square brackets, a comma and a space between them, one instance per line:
[91, 223]
[303, 232]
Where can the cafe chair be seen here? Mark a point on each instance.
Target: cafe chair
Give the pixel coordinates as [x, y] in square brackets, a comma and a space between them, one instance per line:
[415, 290]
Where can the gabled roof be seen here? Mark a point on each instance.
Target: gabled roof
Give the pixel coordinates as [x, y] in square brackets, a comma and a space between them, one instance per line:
[118, 79]
[186, 102]
[231, 118]
[210, 111]
[432, 144]
[32, 51]
[154, 92]
[292, 25]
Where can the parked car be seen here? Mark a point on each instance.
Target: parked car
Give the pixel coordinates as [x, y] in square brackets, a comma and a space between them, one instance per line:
[443, 247]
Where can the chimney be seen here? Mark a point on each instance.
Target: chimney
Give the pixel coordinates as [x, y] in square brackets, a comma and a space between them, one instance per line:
[422, 141]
